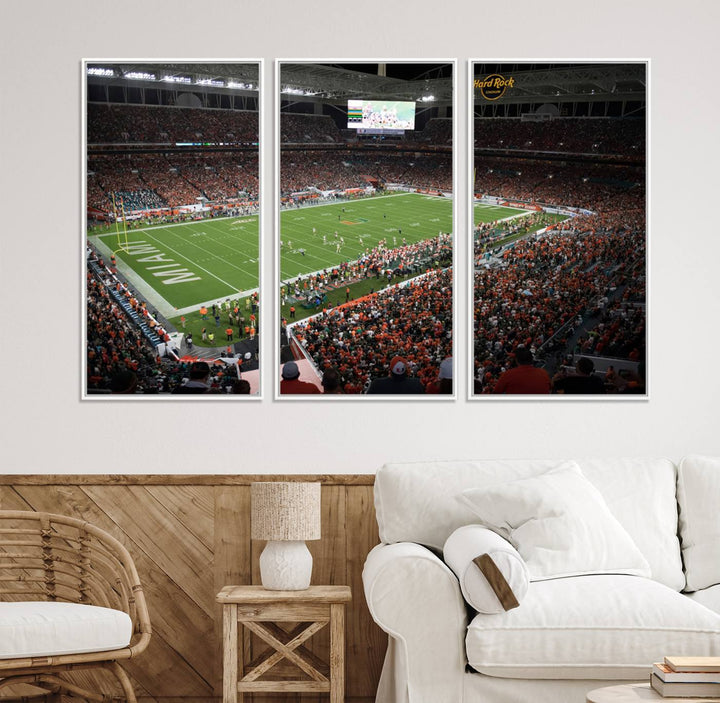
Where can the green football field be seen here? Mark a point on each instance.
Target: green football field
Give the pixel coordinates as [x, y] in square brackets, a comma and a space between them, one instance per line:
[409, 216]
[188, 264]
[488, 213]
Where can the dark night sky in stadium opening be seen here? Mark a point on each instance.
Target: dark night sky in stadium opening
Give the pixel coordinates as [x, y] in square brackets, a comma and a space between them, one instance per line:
[483, 69]
[406, 71]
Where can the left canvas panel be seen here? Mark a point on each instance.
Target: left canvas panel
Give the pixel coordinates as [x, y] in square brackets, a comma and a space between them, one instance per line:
[172, 231]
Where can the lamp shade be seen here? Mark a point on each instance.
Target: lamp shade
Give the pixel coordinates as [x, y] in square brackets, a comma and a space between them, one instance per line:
[285, 510]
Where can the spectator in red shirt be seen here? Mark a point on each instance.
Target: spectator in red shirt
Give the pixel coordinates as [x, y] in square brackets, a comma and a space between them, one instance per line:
[291, 383]
[524, 379]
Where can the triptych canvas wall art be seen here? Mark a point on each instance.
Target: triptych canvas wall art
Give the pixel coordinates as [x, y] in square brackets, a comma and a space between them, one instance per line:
[362, 166]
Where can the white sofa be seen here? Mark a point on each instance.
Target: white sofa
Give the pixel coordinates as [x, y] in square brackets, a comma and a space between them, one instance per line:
[568, 635]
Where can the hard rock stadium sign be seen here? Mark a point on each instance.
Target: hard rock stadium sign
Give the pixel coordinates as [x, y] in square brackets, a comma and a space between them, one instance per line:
[494, 86]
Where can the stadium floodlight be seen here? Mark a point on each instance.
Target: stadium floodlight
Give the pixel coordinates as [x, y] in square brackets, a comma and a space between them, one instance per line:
[96, 71]
[177, 79]
[210, 81]
[240, 86]
[288, 90]
[140, 76]
[427, 98]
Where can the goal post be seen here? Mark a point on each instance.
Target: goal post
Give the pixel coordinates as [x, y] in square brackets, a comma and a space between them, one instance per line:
[122, 243]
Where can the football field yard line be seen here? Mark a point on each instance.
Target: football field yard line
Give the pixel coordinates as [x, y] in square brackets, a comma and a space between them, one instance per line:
[214, 256]
[223, 255]
[309, 268]
[203, 223]
[484, 212]
[196, 265]
[216, 240]
[308, 245]
[207, 303]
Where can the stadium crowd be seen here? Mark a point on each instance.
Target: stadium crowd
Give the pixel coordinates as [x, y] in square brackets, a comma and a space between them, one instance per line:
[148, 124]
[545, 286]
[580, 135]
[340, 170]
[361, 338]
[148, 181]
[439, 130]
[151, 180]
[298, 128]
[121, 360]
[380, 261]
[586, 186]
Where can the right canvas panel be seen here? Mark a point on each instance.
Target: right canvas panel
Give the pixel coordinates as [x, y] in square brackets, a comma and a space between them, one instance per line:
[559, 252]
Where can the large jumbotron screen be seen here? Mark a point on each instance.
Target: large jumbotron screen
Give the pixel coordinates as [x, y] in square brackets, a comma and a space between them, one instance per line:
[381, 114]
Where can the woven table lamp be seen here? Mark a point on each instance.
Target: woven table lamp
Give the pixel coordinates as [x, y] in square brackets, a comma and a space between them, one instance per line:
[285, 514]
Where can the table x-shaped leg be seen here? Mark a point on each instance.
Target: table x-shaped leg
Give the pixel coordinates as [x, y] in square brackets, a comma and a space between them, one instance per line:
[291, 650]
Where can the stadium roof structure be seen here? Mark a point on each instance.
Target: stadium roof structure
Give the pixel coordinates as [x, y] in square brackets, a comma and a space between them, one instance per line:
[624, 83]
[234, 77]
[333, 83]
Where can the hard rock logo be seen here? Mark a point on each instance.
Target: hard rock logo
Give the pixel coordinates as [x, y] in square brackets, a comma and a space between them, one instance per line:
[494, 86]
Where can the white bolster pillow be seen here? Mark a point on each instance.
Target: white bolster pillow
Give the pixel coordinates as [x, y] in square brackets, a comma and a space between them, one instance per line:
[493, 576]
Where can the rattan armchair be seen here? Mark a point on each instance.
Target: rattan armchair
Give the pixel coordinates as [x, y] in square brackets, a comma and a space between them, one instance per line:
[45, 557]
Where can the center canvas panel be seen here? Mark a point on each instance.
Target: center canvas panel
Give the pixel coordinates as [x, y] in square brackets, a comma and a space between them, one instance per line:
[366, 229]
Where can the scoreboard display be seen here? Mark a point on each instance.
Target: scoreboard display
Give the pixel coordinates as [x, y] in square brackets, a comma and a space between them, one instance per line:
[381, 115]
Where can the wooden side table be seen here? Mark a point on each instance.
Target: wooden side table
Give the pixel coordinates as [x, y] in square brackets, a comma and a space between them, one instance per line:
[258, 610]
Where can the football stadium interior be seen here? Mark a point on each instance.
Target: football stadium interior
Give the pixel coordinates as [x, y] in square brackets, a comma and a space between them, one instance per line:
[559, 228]
[365, 242]
[172, 224]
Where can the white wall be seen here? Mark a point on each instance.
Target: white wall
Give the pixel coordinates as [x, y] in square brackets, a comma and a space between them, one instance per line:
[46, 428]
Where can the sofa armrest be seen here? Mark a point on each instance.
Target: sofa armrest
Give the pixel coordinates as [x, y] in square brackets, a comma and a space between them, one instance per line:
[416, 599]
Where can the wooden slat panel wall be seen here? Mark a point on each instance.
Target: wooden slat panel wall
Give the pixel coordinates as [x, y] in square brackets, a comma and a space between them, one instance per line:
[189, 537]
[366, 642]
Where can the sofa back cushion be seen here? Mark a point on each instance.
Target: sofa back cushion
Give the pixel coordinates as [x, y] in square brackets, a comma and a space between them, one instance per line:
[699, 501]
[417, 502]
[560, 524]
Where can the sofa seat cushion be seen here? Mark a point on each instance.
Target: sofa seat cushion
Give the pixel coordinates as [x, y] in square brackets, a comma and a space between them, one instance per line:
[40, 629]
[709, 597]
[609, 627]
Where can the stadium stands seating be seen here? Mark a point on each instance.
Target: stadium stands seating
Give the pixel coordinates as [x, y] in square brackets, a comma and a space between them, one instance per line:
[148, 124]
[360, 338]
[567, 135]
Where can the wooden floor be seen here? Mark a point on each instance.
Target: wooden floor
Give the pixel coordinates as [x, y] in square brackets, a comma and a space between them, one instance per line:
[189, 537]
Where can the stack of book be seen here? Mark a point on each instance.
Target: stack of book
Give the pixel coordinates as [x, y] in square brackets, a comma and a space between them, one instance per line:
[687, 677]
